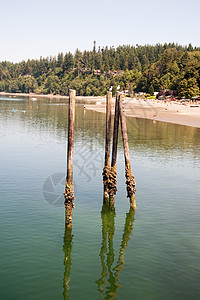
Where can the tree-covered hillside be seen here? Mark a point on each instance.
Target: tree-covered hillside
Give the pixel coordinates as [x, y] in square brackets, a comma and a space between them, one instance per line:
[135, 68]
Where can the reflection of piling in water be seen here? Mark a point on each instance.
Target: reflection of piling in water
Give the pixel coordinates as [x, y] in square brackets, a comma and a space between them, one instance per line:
[111, 285]
[67, 249]
[112, 290]
[69, 186]
[128, 228]
[130, 181]
[108, 229]
[106, 170]
[113, 171]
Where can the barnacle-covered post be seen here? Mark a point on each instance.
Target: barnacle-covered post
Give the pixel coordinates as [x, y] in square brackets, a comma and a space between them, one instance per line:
[106, 170]
[69, 186]
[113, 171]
[128, 173]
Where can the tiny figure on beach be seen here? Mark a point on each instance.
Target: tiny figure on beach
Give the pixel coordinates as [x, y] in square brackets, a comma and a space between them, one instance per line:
[154, 119]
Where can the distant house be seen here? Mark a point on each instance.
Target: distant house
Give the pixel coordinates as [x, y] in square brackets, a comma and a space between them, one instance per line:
[164, 93]
[115, 72]
[126, 92]
[97, 72]
[85, 70]
[196, 98]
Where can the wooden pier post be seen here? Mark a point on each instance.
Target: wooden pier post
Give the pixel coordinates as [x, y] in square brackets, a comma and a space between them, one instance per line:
[69, 186]
[113, 171]
[106, 170]
[128, 173]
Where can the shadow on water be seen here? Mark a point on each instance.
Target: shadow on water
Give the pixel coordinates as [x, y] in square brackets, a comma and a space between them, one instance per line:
[67, 249]
[108, 284]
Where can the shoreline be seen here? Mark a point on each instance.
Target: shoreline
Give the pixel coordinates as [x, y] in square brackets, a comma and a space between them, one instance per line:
[33, 95]
[155, 110]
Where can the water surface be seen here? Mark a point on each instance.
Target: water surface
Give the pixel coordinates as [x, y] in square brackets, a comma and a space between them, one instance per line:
[152, 254]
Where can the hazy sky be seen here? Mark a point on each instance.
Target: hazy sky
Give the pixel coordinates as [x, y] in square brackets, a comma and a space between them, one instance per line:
[34, 28]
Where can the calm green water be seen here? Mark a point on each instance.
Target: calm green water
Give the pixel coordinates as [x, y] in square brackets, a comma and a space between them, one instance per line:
[154, 254]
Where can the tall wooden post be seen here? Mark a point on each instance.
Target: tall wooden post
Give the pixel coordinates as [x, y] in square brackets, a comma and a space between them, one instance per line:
[129, 175]
[69, 186]
[106, 170]
[113, 172]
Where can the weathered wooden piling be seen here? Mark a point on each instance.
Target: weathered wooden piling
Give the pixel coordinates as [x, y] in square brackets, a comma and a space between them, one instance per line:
[69, 186]
[130, 181]
[113, 171]
[106, 170]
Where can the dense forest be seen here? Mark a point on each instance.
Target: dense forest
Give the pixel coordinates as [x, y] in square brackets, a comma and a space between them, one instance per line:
[91, 73]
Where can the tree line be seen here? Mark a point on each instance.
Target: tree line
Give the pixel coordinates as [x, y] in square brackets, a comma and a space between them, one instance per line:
[91, 73]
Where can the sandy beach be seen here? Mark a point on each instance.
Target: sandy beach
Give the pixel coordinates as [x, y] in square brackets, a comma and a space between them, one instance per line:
[155, 110]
